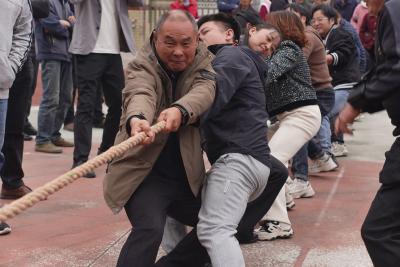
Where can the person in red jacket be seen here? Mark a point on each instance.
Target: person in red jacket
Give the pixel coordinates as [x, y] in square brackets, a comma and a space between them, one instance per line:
[188, 5]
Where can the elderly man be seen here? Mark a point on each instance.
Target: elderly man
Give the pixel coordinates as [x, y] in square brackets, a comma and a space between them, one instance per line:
[16, 32]
[171, 79]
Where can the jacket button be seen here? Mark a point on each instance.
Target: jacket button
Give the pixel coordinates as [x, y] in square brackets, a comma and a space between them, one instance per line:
[97, 28]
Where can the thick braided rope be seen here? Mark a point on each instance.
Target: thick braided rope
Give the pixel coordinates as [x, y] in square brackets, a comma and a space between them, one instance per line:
[16, 207]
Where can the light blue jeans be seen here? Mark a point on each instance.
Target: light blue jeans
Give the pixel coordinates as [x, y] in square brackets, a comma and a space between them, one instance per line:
[3, 115]
[56, 99]
[233, 181]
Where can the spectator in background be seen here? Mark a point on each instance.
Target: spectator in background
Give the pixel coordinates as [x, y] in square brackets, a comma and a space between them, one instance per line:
[52, 39]
[368, 30]
[16, 30]
[103, 29]
[343, 68]
[358, 15]
[278, 5]
[227, 6]
[245, 5]
[345, 8]
[264, 9]
[188, 5]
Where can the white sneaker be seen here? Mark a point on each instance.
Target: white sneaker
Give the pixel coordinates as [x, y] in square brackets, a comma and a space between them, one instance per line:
[323, 164]
[339, 150]
[289, 199]
[300, 188]
[271, 230]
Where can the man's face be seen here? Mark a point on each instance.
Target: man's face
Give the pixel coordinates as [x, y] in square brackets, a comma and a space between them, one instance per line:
[322, 23]
[176, 44]
[264, 41]
[214, 33]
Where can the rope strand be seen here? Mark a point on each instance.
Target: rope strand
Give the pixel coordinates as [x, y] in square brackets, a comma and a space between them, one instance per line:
[16, 207]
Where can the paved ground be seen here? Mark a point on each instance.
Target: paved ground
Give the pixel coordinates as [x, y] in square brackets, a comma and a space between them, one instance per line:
[75, 228]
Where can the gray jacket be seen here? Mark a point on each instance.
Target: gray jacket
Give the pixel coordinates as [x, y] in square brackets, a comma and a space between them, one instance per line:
[16, 36]
[86, 29]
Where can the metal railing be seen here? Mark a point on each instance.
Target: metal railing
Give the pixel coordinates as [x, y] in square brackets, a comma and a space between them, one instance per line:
[144, 19]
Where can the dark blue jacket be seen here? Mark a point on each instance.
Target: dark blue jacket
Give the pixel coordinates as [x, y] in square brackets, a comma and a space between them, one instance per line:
[236, 122]
[52, 39]
[345, 8]
[227, 6]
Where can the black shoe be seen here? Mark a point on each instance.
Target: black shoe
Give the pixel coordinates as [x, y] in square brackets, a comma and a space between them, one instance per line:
[4, 228]
[29, 129]
[27, 137]
[253, 238]
[90, 174]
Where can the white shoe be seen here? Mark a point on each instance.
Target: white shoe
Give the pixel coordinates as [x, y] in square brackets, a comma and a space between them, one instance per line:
[289, 199]
[300, 188]
[323, 164]
[4, 228]
[339, 150]
[271, 230]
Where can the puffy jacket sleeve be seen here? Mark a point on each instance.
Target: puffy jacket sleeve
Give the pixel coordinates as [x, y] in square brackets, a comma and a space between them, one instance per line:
[139, 97]
[201, 95]
[52, 23]
[341, 48]
[282, 61]
[385, 78]
[22, 38]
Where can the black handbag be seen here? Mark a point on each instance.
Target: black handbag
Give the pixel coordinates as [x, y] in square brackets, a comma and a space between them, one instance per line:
[40, 8]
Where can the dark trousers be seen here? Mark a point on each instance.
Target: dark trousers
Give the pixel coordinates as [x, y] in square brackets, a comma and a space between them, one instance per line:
[157, 197]
[381, 228]
[12, 173]
[35, 68]
[189, 251]
[93, 69]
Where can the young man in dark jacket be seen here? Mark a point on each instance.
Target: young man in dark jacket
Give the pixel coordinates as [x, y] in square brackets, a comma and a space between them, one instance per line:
[52, 39]
[381, 90]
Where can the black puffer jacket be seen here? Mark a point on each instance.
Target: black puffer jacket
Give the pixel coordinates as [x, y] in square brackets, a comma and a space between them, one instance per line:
[288, 82]
[380, 89]
[345, 69]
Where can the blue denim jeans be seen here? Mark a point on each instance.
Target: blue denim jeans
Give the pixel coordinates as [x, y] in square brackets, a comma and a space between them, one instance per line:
[3, 115]
[340, 100]
[56, 99]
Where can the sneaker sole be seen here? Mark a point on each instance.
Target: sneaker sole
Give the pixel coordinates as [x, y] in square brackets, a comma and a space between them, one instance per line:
[48, 152]
[286, 236]
[307, 194]
[290, 205]
[5, 231]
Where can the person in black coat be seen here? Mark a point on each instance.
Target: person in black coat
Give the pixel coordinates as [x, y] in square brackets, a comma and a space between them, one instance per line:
[380, 89]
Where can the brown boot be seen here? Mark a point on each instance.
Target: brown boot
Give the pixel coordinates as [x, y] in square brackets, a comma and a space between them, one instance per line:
[14, 193]
[48, 148]
[62, 142]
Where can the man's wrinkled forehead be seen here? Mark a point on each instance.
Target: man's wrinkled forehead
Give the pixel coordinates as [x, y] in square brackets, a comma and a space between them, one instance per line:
[177, 30]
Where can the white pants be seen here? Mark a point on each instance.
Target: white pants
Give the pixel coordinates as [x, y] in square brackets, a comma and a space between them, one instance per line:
[296, 127]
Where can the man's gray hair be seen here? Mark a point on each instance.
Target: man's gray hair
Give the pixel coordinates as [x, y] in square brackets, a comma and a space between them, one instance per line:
[179, 15]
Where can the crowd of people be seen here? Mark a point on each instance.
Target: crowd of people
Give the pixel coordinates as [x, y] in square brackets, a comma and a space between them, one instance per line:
[263, 90]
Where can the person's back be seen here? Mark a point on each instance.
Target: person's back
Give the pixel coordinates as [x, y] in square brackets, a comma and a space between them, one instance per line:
[240, 106]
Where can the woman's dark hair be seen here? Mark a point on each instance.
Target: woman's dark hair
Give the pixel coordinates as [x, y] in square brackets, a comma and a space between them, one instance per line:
[289, 25]
[327, 10]
[258, 27]
[303, 11]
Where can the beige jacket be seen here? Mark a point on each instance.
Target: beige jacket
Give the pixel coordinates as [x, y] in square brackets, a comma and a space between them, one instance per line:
[147, 92]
